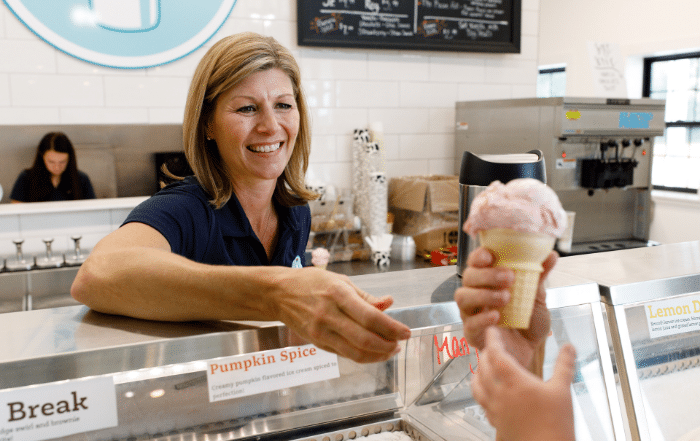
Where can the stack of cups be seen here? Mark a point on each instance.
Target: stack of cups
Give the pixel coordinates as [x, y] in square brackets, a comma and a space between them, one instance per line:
[381, 248]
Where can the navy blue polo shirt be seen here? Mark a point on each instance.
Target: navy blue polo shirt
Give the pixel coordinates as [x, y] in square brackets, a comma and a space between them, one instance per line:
[195, 229]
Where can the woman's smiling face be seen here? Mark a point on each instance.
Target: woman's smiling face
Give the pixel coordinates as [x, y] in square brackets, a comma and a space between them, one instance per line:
[255, 125]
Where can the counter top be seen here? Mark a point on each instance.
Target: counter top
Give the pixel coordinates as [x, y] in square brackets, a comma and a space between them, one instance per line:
[638, 274]
[71, 206]
[56, 331]
[361, 267]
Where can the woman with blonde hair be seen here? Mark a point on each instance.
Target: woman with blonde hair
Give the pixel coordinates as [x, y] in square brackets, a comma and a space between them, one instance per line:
[228, 243]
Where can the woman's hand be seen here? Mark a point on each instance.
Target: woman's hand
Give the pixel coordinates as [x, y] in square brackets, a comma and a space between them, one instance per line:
[520, 405]
[485, 291]
[326, 309]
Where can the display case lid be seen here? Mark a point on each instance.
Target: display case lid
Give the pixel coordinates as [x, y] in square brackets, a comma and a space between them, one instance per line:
[47, 347]
[568, 290]
[74, 345]
[639, 274]
[76, 333]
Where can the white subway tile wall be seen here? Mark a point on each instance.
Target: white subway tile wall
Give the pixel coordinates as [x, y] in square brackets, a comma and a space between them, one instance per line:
[366, 94]
[124, 115]
[88, 219]
[28, 56]
[2, 22]
[29, 115]
[14, 29]
[37, 90]
[60, 226]
[413, 93]
[334, 64]
[4, 90]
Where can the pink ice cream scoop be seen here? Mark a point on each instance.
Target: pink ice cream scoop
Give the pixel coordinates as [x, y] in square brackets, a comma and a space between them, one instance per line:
[320, 257]
[526, 205]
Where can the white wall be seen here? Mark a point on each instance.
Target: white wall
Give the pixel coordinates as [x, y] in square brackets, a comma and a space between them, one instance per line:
[641, 28]
[676, 217]
[90, 219]
[412, 93]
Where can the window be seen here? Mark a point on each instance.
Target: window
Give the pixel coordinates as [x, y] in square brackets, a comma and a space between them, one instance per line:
[676, 157]
[551, 82]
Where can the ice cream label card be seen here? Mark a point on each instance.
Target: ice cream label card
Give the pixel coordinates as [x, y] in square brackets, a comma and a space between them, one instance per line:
[673, 316]
[259, 372]
[54, 410]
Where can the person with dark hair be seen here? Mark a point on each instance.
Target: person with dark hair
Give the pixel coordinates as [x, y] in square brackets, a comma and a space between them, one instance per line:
[228, 242]
[54, 176]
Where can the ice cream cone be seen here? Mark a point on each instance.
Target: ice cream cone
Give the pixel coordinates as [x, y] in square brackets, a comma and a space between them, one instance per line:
[524, 254]
[320, 258]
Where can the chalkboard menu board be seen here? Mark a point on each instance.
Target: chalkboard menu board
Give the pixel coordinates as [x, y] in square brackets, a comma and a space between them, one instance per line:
[448, 25]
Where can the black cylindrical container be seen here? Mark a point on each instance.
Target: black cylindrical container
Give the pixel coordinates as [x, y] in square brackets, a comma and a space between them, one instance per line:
[475, 175]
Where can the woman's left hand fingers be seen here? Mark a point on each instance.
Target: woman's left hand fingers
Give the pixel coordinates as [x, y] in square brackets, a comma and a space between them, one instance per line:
[367, 312]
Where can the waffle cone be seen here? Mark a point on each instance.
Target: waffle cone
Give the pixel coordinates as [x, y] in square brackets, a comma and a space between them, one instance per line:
[524, 254]
[321, 266]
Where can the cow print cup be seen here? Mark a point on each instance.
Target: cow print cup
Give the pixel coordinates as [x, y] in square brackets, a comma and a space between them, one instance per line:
[381, 258]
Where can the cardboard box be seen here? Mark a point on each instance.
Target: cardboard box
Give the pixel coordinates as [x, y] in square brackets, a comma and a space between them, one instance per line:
[436, 193]
[426, 208]
[435, 240]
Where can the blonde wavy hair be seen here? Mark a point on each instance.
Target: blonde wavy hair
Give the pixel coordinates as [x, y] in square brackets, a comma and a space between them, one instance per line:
[225, 65]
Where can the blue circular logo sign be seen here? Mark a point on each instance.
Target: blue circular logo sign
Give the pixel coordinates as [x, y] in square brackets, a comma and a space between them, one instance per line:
[124, 33]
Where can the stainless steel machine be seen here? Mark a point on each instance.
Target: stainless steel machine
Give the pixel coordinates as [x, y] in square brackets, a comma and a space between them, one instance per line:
[598, 157]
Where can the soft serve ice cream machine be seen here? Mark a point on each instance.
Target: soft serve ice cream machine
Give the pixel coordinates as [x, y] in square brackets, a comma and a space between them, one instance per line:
[598, 155]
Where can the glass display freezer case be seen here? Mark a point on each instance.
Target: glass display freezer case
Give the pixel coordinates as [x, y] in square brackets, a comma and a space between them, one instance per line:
[652, 301]
[149, 380]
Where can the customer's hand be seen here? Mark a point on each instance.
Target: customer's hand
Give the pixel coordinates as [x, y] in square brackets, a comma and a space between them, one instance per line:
[328, 310]
[520, 405]
[485, 291]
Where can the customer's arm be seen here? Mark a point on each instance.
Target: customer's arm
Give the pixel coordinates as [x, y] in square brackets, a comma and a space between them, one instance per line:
[519, 404]
[132, 272]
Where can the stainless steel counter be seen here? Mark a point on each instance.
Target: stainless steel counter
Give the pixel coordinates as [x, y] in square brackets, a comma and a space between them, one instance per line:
[361, 267]
[36, 289]
[55, 331]
[50, 288]
[639, 274]
[50, 346]
[629, 376]
[652, 303]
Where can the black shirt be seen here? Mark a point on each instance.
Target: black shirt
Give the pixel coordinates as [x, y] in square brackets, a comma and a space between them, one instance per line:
[20, 191]
[195, 229]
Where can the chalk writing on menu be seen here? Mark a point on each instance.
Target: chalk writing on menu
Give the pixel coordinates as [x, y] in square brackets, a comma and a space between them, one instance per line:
[459, 25]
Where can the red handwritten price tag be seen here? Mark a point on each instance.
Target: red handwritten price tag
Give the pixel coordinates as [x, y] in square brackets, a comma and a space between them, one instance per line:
[454, 348]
